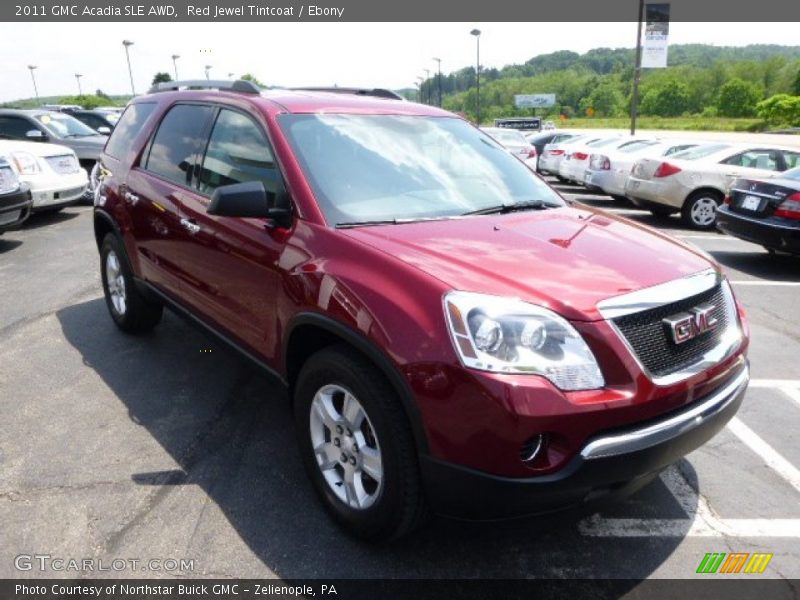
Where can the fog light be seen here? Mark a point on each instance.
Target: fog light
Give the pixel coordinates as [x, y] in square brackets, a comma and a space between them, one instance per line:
[531, 449]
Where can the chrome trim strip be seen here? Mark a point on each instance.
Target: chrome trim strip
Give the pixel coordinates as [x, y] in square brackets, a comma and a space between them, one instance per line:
[658, 295]
[652, 435]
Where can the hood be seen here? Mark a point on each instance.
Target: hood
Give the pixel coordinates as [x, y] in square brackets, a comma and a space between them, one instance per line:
[36, 148]
[96, 142]
[566, 259]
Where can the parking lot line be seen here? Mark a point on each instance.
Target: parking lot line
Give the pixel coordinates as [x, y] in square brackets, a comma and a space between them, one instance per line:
[723, 238]
[770, 456]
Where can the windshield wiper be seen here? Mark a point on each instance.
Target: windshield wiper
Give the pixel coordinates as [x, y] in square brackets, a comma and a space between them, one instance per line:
[349, 224]
[507, 208]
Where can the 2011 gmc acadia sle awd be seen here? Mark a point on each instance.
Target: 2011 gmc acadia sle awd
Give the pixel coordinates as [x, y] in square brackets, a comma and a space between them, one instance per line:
[455, 337]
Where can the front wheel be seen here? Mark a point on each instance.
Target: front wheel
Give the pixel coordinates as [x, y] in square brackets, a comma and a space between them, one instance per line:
[131, 311]
[700, 209]
[356, 445]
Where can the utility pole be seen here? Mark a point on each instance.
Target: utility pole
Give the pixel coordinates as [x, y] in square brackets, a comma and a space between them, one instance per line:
[439, 75]
[33, 78]
[477, 34]
[128, 44]
[175, 58]
[637, 70]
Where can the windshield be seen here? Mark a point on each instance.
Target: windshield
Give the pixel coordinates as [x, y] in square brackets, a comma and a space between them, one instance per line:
[389, 167]
[64, 126]
[700, 151]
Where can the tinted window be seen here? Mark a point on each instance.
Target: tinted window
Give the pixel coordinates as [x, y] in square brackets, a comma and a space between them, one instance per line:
[238, 151]
[178, 142]
[15, 127]
[755, 159]
[129, 125]
[792, 159]
[92, 121]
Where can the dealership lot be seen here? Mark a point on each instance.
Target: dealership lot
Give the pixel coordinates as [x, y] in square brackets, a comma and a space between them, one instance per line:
[169, 446]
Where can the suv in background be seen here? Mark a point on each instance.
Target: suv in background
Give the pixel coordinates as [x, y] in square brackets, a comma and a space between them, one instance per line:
[453, 334]
[56, 127]
[101, 121]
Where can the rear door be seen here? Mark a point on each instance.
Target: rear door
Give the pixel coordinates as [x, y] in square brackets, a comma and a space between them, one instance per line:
[233, 277]
[155, 189]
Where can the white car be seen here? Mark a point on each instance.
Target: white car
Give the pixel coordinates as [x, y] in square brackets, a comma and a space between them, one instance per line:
[513, 141]
[554, 152]
[53, 173]
[576, 160]
[608, 171]
[694, 182]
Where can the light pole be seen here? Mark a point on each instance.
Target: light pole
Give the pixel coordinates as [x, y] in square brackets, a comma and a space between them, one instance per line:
[230, 75]
[128, 44]
[33, 78]
[439, 61]
[175, 58]
[208, 68]
[637, 70]
[419, 90]
[477, 34]
[78, 79]
[427, 80]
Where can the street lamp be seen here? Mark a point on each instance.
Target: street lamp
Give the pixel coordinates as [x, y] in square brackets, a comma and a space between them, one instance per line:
[427, 79]
[78, 79]
[175, 58]
[208, 68]
[439, 61]
[419, 89]
[33, 78]
[230, 75]
[477, 34]
[128, 44]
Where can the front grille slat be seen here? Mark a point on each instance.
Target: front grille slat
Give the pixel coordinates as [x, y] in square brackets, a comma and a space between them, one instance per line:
[64, 164]
[652, 343]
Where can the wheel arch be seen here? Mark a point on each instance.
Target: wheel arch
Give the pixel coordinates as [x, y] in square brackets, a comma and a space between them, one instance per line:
[309, 332]
[704, 188]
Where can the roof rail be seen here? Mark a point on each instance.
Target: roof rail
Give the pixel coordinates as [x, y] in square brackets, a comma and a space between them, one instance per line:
[239, 85]
[377, 92]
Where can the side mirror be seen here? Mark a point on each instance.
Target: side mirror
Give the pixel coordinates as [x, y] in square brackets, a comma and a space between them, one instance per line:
[36, 135]
[250, 199]
[104, 130]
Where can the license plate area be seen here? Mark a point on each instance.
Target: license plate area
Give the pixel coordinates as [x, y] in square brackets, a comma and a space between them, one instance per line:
[751, 203]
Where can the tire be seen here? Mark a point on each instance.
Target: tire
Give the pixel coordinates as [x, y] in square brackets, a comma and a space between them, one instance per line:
[392, 504]
[700, 209]
[130, 310]
[661, 211]
[561, 179]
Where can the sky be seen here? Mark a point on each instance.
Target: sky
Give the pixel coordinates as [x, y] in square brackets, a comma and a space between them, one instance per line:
[389, 55]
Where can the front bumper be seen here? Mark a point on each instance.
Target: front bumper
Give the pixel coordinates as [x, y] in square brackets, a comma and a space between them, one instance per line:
[772, 232]
[15, 208]
[610, 465]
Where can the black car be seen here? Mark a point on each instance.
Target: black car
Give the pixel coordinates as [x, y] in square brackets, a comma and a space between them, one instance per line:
[764, 211]
[100, 120]
[15, 198]
[540, 140]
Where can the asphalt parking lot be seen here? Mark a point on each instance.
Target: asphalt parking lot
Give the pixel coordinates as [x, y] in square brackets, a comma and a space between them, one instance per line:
[169, 446]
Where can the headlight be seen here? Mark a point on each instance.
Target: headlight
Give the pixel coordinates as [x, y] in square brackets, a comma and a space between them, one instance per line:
[505, 335]
[26, 163]
[8, 180]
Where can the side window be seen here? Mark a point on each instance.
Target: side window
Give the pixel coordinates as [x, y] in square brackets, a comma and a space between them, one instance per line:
[755, 159]
[178, 143]
[130, 124]
[93, 121]
[15, 127]
[237, 152]
[676, 149]
[792, 159]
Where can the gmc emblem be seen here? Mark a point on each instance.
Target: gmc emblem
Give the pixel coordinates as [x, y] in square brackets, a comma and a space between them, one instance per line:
[688, 325]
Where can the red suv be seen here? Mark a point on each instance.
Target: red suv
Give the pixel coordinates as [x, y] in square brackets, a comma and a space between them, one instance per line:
[455, 337]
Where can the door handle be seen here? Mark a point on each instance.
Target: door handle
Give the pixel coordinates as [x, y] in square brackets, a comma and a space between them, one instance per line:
[131, 198]
[190, 226]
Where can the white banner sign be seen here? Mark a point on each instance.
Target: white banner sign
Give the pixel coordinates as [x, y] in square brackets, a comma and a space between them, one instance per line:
[656, 34]
[534, 100]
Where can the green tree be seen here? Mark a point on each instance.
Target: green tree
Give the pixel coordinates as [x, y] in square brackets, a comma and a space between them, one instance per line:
[738, 98]
[796, 86]
[161, 78]
[780, 110]
[86, 101]
[252, 78]
[605, 100]
[669, 100]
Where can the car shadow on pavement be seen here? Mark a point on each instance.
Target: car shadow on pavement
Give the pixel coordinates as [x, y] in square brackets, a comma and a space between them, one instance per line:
[760, 264]
[45, 219]
[230, 431]
[7, 244]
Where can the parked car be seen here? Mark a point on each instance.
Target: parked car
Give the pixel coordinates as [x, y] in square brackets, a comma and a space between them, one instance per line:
[51, 171]
[764, 211]
[540, 140]
[514, 141]
[452, 333]
[57, 127]
[694, 182]
[15, 198]
[554, 152]
[102, 122]
[609, 170]
[576, 159]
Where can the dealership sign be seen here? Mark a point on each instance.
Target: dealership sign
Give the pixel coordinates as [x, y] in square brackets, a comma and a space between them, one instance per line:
[534, 100]
[656, 32]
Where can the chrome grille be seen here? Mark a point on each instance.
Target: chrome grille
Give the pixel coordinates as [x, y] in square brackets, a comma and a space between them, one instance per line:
[65, 164]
